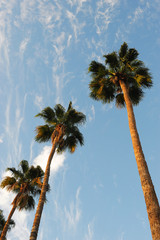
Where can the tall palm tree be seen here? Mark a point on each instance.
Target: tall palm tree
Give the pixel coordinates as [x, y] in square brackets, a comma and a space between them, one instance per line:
[3, 221]
[61, 128]
[26, 182]
[123, 78]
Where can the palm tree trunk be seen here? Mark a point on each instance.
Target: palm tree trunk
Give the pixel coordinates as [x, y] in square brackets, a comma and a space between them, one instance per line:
[34, 232]
[151, 200]
[5, 229]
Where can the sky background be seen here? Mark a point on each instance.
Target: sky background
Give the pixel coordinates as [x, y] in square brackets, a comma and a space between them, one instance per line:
[45, 50]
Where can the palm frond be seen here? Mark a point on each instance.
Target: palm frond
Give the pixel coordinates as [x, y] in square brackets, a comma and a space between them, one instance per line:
[123, 50]
[48, 115]
[74, 117]
[59, 111]
[8, 183]
[143, 77]
[120, 103]
[15, 173]
[136, 94]
[97, 70]
[73, 130]
[112, 60]
[24, 166]
[102, 90]
[131, 55]
[44, 133]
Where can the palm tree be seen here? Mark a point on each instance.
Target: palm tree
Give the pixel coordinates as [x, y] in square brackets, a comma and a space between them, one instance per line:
[3, 221]
[61, 128]
[122, 79]
[26, 182]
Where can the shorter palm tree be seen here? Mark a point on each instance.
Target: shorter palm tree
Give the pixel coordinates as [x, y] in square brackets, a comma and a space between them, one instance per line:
[3, 221]
[61, 128]
[26, 182]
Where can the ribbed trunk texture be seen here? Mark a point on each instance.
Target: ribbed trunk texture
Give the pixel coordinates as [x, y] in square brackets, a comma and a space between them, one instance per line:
[5, 229]
[56, 136]
[151, 200]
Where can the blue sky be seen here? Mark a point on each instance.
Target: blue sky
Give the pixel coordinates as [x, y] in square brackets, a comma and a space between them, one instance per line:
[45, 50]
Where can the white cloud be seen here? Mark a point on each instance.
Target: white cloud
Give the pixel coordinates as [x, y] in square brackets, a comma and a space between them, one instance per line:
[57, 161]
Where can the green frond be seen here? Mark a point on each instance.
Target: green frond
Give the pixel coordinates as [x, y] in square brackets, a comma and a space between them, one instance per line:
[59, 111]
[26, 202]
[69, 106]
[24, 166]
[69, 143]
[120, 103]
[48, 115]
[8, 183]
[74, 131]
[15, 173]
[132, 54]
[74, 117]
[35, 172]
[43, 133]
[102, 90]
[123, 50]
[136, 64]
[136, 94]
[143, 77]
[112, 60]
[97, 70]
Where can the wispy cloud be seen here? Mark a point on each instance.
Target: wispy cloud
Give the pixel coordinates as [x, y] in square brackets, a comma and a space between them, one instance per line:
[90, 233]
[38, 101]
[138, 14]
[103, 15]
[23, 46]
[73, 214]
[91, 116]
[75, 24]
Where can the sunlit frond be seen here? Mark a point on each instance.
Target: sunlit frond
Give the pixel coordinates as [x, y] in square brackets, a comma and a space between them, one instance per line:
[44, 133]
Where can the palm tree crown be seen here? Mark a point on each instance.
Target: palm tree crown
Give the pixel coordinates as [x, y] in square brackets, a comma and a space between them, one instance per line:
[56, 117]
[122, 66]
[26, 182]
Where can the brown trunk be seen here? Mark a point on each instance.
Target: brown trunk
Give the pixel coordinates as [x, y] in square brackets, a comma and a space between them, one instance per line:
[56, 136]
[5, 229]
[151, 200]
